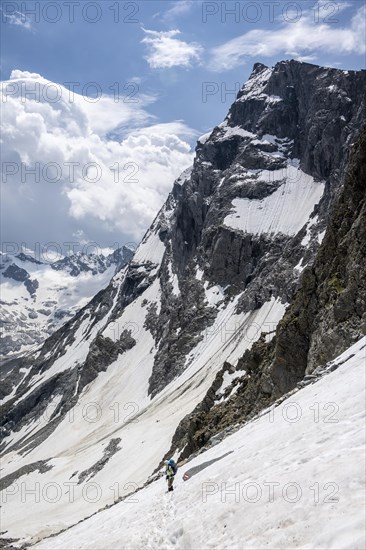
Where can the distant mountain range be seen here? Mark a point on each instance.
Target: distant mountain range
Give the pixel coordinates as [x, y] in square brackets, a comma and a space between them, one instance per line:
[37, 297]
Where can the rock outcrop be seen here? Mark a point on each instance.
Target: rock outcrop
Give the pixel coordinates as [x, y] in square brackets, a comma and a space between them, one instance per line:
[326, 316]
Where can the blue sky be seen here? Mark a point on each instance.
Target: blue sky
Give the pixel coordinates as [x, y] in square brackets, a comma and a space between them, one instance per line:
[111, 50]
[165, 54]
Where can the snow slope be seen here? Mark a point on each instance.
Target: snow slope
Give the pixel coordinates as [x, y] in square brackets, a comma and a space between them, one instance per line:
[292, 478]
[285, 211]
[117, 406]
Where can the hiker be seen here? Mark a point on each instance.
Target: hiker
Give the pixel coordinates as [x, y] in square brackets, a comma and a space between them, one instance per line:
[170, 471]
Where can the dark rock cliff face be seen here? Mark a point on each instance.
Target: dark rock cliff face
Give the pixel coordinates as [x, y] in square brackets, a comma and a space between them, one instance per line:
[327, 315]
[311, 96]
[329, 311]
[312, 114]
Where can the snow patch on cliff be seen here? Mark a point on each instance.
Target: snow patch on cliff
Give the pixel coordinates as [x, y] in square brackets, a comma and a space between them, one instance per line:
[284, 211]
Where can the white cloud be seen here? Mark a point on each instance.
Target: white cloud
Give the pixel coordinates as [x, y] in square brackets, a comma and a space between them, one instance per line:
[302, 40]
[179, 8]
[330, 10]
[177, 127]
[18, 18]
[304, 58]
[126, 183]
[148, 164]
[103, 113]
[166, 51]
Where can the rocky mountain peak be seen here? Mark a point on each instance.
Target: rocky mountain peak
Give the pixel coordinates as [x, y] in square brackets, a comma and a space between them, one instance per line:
[27, 258]
[206, 289]
[257, 68]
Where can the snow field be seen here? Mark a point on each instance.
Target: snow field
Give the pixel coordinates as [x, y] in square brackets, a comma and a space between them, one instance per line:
[294, 478]
[284, 211]
[116, 405]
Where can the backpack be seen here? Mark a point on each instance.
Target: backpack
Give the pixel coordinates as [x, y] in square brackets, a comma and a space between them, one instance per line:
[173, 466]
